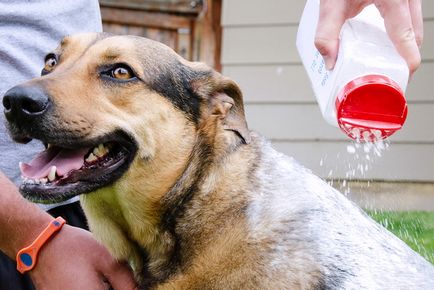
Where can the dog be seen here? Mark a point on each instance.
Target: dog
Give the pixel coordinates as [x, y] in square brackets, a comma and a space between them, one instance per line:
[172, 180]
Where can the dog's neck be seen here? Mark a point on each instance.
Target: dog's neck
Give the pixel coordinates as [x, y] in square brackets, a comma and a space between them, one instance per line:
[174, 201]
[147, 216]
[163, 249]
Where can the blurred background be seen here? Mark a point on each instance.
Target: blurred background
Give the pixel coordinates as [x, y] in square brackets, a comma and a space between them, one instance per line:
[253, 42]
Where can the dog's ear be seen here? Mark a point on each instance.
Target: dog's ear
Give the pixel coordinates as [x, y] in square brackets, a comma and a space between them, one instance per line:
[225, 100]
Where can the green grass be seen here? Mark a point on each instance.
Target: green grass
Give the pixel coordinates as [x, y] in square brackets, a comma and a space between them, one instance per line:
[416, 228]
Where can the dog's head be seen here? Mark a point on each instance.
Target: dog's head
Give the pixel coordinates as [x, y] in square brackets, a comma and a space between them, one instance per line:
[107, 103]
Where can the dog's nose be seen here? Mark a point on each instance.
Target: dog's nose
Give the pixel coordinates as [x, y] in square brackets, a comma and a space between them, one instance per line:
[25, 103]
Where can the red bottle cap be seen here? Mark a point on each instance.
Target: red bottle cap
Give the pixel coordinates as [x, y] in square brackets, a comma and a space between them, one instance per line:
[371, 107]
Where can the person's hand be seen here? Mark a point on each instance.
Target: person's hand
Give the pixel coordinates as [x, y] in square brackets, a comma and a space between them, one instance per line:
[402, 18]
[74, 260]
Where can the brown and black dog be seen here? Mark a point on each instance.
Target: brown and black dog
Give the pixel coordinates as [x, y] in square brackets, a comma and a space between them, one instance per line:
[173, 182]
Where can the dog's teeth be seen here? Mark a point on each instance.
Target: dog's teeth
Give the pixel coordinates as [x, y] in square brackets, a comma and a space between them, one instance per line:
[91, 158]
[96, 151]
[32, 181]
[43, 180]
[49, 145]
[100, 150]
[52, 175]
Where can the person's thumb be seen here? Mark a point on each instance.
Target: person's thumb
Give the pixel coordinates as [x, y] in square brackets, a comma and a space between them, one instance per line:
[120, 276]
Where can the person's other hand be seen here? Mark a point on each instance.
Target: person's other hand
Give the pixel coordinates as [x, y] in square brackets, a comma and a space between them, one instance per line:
[74, 260]
[402, 18]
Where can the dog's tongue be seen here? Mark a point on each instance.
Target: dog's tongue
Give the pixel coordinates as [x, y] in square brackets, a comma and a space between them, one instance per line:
[65, 160]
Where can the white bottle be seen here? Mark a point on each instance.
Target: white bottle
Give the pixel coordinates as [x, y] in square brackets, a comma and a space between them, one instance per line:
[364, 93]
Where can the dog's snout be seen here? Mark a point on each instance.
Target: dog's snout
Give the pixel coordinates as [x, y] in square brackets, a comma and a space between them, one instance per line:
[25, 102]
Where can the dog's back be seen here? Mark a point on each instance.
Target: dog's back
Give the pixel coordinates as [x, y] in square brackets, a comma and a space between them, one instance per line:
[318, 235]
[272, 224]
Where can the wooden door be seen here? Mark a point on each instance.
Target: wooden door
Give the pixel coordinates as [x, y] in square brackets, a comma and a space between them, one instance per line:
[191, 28]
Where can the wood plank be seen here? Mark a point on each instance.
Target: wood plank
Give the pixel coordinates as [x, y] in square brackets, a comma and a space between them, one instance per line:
[272, 83]
[400, 162]
[427, 49]
[209, 32]
[260, 12]
[248, 12]
[136, 30]
[428, 9]
[185, 7]
[115, 28]
[143, 18]
[305, 122]
[421, 87]
[168, 37]
[289, 83]
[290, 122]
[259, 45]
[276, 45]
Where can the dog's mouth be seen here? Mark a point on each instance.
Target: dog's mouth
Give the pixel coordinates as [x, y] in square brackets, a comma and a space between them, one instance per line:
[59, 173]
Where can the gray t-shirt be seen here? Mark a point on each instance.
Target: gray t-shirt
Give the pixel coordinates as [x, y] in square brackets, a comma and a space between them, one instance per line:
[28, 31]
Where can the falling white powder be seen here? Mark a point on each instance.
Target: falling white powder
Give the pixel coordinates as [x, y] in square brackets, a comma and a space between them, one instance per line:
[351, 149]
[361, 156]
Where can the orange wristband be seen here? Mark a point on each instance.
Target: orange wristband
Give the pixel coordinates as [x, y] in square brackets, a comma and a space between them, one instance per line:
[27, 257]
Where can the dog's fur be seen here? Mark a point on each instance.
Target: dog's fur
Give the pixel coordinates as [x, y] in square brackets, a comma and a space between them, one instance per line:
[207, 204]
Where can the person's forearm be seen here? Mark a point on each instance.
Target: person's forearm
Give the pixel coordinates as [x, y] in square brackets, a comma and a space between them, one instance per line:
[20, 220]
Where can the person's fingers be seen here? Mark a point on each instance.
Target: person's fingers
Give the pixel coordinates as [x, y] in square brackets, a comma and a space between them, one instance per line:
[120, 276]
[417, 20]
[332, 16]
[399, 26]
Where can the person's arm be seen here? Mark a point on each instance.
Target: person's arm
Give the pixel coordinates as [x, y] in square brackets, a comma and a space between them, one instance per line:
[72, 259]
[402, 18]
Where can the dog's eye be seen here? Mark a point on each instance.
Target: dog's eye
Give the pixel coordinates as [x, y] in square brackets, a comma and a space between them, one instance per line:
[119, 72]
[50, 63]
[122, 73]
